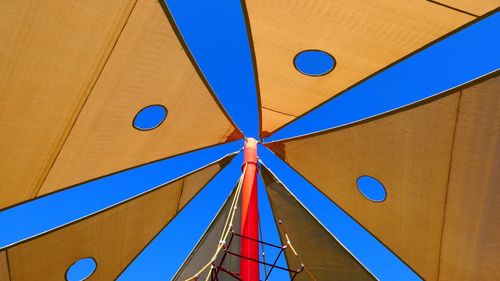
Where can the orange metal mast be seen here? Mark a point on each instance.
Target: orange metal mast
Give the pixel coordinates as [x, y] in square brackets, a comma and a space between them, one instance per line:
[249, 270]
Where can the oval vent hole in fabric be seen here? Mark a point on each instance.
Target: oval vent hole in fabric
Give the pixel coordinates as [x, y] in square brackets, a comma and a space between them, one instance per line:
[371, 188]
[81, 269]
[150, 117]
[314, 62]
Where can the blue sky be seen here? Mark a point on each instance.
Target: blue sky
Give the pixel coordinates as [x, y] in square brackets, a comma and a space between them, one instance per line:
[216, 36]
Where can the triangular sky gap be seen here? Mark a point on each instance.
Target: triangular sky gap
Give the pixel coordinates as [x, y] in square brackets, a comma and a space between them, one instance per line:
[470, 53]
[36, 217]
[216, 36]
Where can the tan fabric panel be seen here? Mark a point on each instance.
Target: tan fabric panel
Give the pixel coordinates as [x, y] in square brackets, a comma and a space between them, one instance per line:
[4, 267]
[324, 258]
[472, 6]
[409, 152]
[193, 184]
[51, 55]
[363, 36]
[113, 238]
[274, 119]
[148, 66]
[470, 248]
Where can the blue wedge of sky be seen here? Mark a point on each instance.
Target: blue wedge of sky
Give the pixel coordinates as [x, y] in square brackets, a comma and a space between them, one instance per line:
[215, 32]
[61, 208]
[161, 259]
[466, 55]
[380, 261]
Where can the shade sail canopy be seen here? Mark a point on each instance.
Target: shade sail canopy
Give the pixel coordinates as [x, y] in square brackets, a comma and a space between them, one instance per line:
[362, 37]
[323, 257]
[50, 58]
[73, 121]
[113, 238]
[425, 157]
[77, 79]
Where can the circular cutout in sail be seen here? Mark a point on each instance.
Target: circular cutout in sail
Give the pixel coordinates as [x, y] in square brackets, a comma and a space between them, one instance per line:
[150, 117]
[371, 188]
[81, 269]
[314, 62]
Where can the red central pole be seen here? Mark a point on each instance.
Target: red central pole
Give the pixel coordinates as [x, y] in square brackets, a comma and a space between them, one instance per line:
[249, 270]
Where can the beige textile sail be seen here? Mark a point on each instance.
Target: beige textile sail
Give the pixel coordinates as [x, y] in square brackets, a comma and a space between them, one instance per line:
[470, 248]
[74, 75]
[436, 161]
[113, 238]
[52, 53]
[363, 36]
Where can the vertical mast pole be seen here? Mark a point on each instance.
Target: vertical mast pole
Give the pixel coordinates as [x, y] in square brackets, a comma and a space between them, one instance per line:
[249, 270]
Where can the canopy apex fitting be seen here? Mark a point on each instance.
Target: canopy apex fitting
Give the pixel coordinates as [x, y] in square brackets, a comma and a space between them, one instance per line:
[250, 152]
